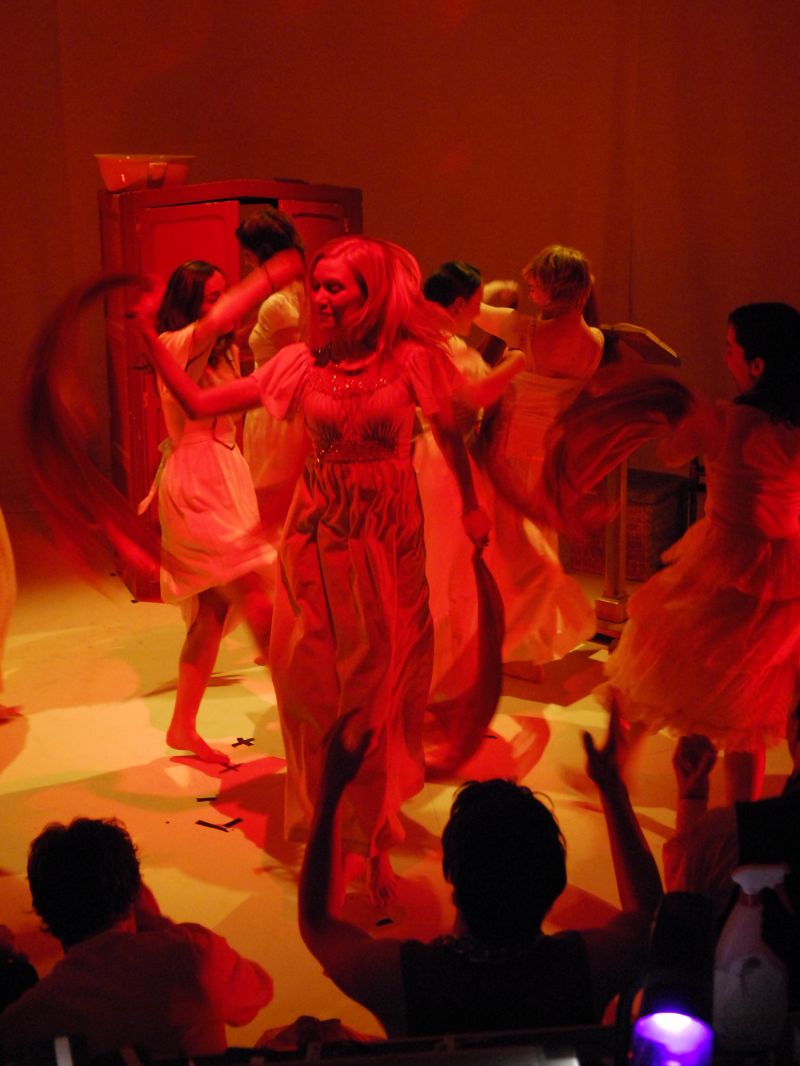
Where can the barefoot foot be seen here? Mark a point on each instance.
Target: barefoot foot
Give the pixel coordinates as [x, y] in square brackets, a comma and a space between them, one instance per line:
[381, 880]
[190, 740]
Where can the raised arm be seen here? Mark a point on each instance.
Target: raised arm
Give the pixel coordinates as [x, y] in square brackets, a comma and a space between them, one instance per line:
[367, 970]
[638, 880]
[240, 394]
[234, 396]
[617, 950]
[693, 761]
[486, 390]
[255, 287]
[503, 322]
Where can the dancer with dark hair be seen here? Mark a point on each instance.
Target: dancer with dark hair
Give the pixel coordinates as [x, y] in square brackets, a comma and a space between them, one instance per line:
[275, 449]
[207, 508]
[546, 613]
[211, 555]
[712, 645]
[351, 625]
[712, 642]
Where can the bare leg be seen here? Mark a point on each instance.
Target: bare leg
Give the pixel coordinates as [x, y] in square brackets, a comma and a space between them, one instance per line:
[252, 596]
[381, 879]
[198, 655]
[744, 774]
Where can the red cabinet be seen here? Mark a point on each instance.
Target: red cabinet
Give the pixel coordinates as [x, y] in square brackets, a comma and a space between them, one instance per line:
[155, 230]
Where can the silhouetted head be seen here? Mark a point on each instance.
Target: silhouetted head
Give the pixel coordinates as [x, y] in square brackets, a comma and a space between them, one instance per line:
[559, 279]
[191, 291]
[83, 877]
[266, 232]
[505, 856]
[763, 353]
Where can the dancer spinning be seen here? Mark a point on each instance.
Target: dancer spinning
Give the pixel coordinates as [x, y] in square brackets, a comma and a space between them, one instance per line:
[206, 503]
[212, 555]
[546, 613]
[712, 644]
[562, 352]
[713, 641]
[352, 627]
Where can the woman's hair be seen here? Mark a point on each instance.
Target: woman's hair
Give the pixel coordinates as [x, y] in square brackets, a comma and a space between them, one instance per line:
[505, 856]
[394, 308]
[453, 279]
[84, 877]
[184, 295]
[267, 232]
[563, 272]
[771, 332]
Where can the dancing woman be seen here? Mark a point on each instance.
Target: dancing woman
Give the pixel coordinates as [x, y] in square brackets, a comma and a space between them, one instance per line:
[562, 352]
[546, 613]
[351, 628]
[712, 643]
[275, 450]
[206, 503]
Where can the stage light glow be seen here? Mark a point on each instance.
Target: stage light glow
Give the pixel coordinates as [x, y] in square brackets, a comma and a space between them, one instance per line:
[668, 1038]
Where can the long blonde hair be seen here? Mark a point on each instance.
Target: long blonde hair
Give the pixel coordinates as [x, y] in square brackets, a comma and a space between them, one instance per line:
[394, 308]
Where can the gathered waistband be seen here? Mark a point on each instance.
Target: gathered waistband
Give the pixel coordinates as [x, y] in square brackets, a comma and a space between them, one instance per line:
[355, 451]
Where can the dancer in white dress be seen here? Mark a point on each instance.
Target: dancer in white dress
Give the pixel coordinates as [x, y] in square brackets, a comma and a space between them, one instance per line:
[275, 449]
[215, 552]
[562, 352]
[546, 613]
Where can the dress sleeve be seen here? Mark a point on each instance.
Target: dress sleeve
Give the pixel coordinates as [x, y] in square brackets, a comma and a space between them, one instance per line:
[432, 377]
[282, 379]
[179, 345]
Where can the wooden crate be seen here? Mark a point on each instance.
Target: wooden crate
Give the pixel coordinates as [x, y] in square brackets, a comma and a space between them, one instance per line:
[657, 507]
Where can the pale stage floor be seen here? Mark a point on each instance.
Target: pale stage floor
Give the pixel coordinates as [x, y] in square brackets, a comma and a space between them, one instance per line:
[94, 676]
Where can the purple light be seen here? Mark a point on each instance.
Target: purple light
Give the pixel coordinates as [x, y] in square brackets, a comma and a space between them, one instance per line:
[671, 1039]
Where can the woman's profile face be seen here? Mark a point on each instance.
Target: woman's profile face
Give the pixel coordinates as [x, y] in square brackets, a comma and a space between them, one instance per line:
[744, 373]
[335, 294]
[465, 310]
[214, 288]
[539, 295]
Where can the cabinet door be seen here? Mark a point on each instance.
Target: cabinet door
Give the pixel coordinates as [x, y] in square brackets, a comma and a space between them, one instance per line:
[169, 236]
[316, 222]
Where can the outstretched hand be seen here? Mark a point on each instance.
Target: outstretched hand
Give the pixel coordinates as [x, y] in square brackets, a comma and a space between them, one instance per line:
[146, 307]
[693, 761]
[603, 764]
[343, 754]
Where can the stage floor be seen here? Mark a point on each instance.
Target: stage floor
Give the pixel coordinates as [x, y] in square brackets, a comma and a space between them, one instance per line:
[94, 675]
